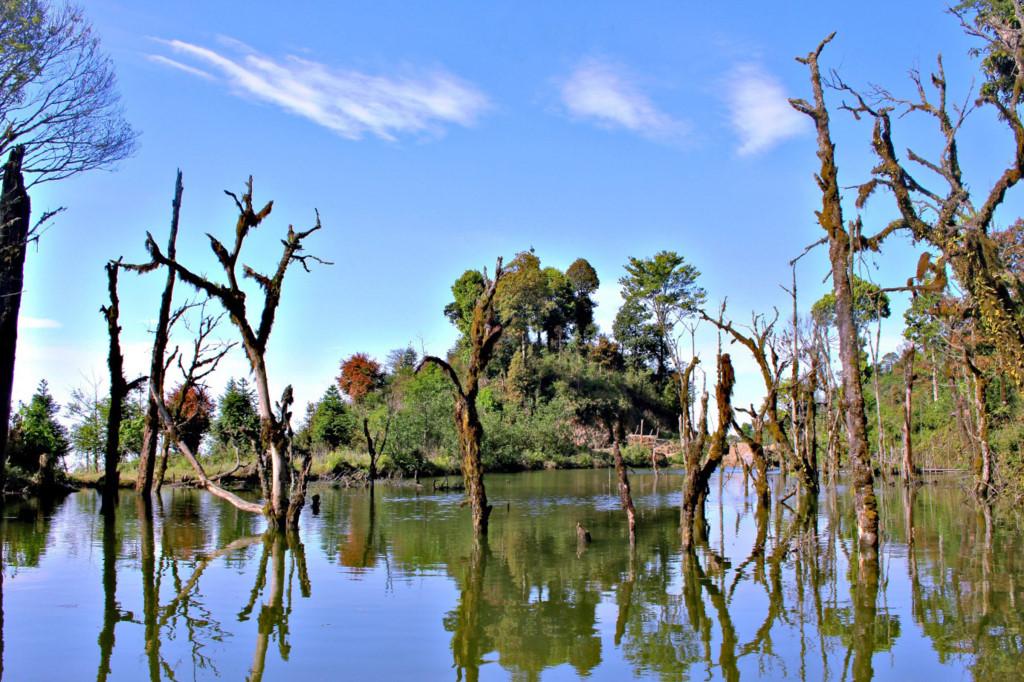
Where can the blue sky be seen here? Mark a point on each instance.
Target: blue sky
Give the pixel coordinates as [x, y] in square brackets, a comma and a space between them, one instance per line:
[433, 137]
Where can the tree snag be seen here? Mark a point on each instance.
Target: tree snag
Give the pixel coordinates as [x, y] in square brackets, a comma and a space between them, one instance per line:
[840, 250]
[15, 211]
[907, 469]
[625, 495]
[698, 474]
[157, 367]
[483, 335]
[284, 492]
[761, 344]
[119, 386]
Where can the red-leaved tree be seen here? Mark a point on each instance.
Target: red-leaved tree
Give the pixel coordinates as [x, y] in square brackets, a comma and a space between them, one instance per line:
[360, 374]
[194, 413]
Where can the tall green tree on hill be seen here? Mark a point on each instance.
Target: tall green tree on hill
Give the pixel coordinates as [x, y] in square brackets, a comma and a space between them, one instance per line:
[663, 291]
[584, 281]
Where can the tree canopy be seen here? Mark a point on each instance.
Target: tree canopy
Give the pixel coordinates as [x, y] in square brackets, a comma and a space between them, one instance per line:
[58, 92]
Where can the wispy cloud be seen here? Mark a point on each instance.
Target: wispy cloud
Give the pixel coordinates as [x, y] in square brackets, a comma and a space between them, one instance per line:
[191, 70]
[349, 102]
[601, 92]
[759, 110]
[26, 322]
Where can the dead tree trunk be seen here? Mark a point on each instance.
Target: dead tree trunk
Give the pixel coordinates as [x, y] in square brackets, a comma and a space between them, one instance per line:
[984, 469]
[755, 442]
[284, 493]
[151, 432]
[484, 332]
[698, 474]
[908, 407]
[625, 495]
[840, 254]
[375, 446]
[761, 347]
[119, 386]
[15, 212]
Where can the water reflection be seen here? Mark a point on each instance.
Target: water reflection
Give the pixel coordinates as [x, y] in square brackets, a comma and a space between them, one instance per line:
[192, 589]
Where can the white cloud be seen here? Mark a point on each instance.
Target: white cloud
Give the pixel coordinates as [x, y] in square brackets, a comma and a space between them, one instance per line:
[350, 103]
[191, 70]
[603, 93]
[26, 322]
[760, 111]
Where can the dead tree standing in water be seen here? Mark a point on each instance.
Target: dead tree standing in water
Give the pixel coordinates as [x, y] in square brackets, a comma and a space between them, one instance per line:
[841, 256]
[625, 495]
[760, 343]
[157, 367]
[15, 211]
[375, 446]
[119, 386]
[484, 332]
[284, 492]
[698, 474]
[206, 356]
[908, 470]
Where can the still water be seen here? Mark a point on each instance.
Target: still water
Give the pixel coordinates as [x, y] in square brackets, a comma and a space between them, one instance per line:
[391, 586]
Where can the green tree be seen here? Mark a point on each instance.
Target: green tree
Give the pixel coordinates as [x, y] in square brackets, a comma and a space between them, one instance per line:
[466, 290]
[331, 422]
[870, 304]
[522, 297]
[640, 340]
[584, 281]
[237, 424]
[402, 360]
[665, 287]
[558, 309]
[88, 429]
[38, 440]
[991, 20]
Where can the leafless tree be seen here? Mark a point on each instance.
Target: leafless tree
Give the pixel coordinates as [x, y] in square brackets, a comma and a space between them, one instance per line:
[58, 92]
[284, 490]
[158, 364]
[484, 332]
[119, 386]
[840, 239]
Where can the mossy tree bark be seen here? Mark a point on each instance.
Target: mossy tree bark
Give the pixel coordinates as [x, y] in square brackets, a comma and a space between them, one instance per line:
[761, 346]
[984, 468]
[484, 332]
[15, 213]
[840, 249]
[625, 494]
[907, 469]
[698, 473]
[759, 463]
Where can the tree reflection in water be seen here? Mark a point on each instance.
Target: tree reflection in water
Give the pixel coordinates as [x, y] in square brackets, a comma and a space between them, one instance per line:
[779, 591]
